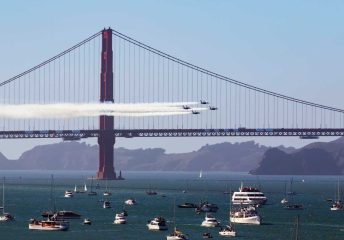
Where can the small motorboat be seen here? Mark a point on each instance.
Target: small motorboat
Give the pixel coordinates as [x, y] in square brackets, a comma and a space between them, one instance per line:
[227, 231]
[130, 202]
[176, 235]
[337, 205]
[107, 193]
[187, 205]
[87, 221]
[157, 223]
[5, 217]
[206, 235]
[210, 221]
[106, 204]
[120, 219]
[68, 194]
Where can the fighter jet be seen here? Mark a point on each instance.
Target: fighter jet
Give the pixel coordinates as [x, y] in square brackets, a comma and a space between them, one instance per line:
[204, 102]
[195, 112]
[212, 108]
[186, 107]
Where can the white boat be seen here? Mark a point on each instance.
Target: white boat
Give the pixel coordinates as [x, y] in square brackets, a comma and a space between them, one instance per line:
[87, 221]
[157, 223]
[85, 188]
[338, 204]
[120, 219]
[248, 196]
[285, 199]
[227, 231]
[106, 193]
[130, 201]
[48, 225]
[106, 204]
[4, 217]
[176, 235]
[245, 215]
[68, 194]
[210, 221]
[51, 223]
[200, 174]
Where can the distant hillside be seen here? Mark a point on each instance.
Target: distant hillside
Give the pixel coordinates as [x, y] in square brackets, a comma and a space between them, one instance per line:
[314, 159]
[80, 156]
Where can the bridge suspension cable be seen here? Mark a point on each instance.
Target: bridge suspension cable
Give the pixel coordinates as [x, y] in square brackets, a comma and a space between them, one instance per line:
[143, 74]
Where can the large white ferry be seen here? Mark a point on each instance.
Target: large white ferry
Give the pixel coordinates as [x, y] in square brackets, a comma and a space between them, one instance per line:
[248, 196]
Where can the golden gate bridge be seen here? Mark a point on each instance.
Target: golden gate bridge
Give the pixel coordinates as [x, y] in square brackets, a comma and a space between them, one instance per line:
[112, 67]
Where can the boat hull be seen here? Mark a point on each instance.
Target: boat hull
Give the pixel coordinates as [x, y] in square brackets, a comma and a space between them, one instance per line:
[157, 227]
[42, 227]
[120, 222]
[255, 220]
[209, 224]
[175, 238]
[5, 218]
[227, 233]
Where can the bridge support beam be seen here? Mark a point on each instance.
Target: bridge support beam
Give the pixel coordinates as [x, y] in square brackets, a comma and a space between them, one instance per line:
[106, 138]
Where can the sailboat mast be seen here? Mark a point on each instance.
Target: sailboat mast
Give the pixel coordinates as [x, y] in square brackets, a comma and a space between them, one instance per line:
[3, 196]
[297, 228]
[52, 199]
[338, 198]
[174, 214]
[230, 206]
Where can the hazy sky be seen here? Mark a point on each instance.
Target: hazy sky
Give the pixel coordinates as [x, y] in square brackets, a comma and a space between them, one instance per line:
[291, 47]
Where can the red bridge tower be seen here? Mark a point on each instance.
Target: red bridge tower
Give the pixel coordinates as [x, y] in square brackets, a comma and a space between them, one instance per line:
[106, 138]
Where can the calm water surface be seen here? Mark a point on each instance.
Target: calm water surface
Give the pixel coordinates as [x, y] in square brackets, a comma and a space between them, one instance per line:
[28, 193]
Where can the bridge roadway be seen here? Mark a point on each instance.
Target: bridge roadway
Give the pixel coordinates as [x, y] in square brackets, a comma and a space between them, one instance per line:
[130, 133]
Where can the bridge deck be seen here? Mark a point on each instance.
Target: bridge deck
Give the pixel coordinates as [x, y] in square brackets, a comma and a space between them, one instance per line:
[130, 133]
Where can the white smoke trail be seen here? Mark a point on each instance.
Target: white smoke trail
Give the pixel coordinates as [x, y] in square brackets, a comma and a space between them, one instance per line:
[70, 110]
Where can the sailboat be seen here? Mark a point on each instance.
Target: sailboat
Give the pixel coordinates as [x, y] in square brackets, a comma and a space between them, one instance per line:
[200, 174]
[91, 193]
[106, 193]
[285, 199]
[291, 205]
[176, 234]
[291, 192]
[338, 204]
[51, 223]
[5, 216]
[228, 230]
